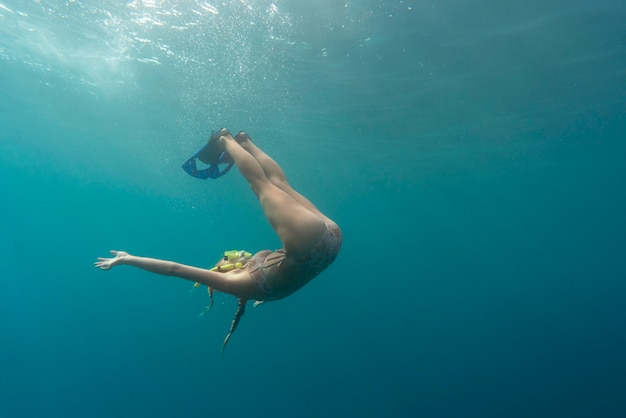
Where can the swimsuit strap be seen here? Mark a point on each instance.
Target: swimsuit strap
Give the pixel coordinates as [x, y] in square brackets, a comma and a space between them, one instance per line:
[275, 260]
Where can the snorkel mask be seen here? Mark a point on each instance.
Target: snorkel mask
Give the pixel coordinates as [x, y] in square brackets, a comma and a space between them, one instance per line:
[232, 260]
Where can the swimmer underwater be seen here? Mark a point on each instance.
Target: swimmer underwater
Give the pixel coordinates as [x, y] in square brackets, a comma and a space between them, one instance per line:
[311, 241]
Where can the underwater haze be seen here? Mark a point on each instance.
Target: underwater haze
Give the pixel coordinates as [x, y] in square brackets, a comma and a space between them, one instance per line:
[473, 153]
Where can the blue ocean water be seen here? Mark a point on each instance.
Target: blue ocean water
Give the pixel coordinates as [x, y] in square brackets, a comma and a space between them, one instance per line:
[472, 152]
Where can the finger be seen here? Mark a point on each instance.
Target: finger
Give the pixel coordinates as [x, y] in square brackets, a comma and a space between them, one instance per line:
[114, 252]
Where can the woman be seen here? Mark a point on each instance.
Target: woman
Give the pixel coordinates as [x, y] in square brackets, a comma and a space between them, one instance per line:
[311, 240]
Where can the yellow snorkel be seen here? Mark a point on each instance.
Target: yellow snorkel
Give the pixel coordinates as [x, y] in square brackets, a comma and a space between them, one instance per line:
[232, 260]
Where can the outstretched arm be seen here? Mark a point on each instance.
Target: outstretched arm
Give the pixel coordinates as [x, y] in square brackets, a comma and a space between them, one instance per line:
[224, 282]
[153, 265]
[119, 258]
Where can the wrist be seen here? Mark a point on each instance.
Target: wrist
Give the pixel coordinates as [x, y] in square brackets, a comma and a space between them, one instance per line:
[125, 259]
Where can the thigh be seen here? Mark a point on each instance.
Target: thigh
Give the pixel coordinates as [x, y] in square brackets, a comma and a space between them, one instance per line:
[298, 228]
[286, 187]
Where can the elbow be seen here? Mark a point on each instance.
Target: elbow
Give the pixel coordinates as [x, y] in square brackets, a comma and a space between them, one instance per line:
[172, 269]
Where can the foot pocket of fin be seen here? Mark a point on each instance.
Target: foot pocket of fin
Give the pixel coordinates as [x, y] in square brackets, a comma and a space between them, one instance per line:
[209, 161]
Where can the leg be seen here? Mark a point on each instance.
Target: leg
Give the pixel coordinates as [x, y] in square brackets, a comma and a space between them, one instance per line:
[275, 174]
[298, 227]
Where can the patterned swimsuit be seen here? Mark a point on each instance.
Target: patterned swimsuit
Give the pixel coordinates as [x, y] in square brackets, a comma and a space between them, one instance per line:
[322, 255]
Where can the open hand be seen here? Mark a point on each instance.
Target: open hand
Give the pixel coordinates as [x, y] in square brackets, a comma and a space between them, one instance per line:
[107, 263]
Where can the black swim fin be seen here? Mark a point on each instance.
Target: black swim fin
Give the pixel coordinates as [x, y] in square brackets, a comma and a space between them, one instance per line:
[218, 162]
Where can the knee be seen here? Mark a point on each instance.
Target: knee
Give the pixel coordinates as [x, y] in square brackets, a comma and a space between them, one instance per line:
[279, 181]
[261, 186]
[255, 189]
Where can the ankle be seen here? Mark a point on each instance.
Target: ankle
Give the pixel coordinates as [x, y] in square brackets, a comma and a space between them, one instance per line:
[222, 140]
[242, 138]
